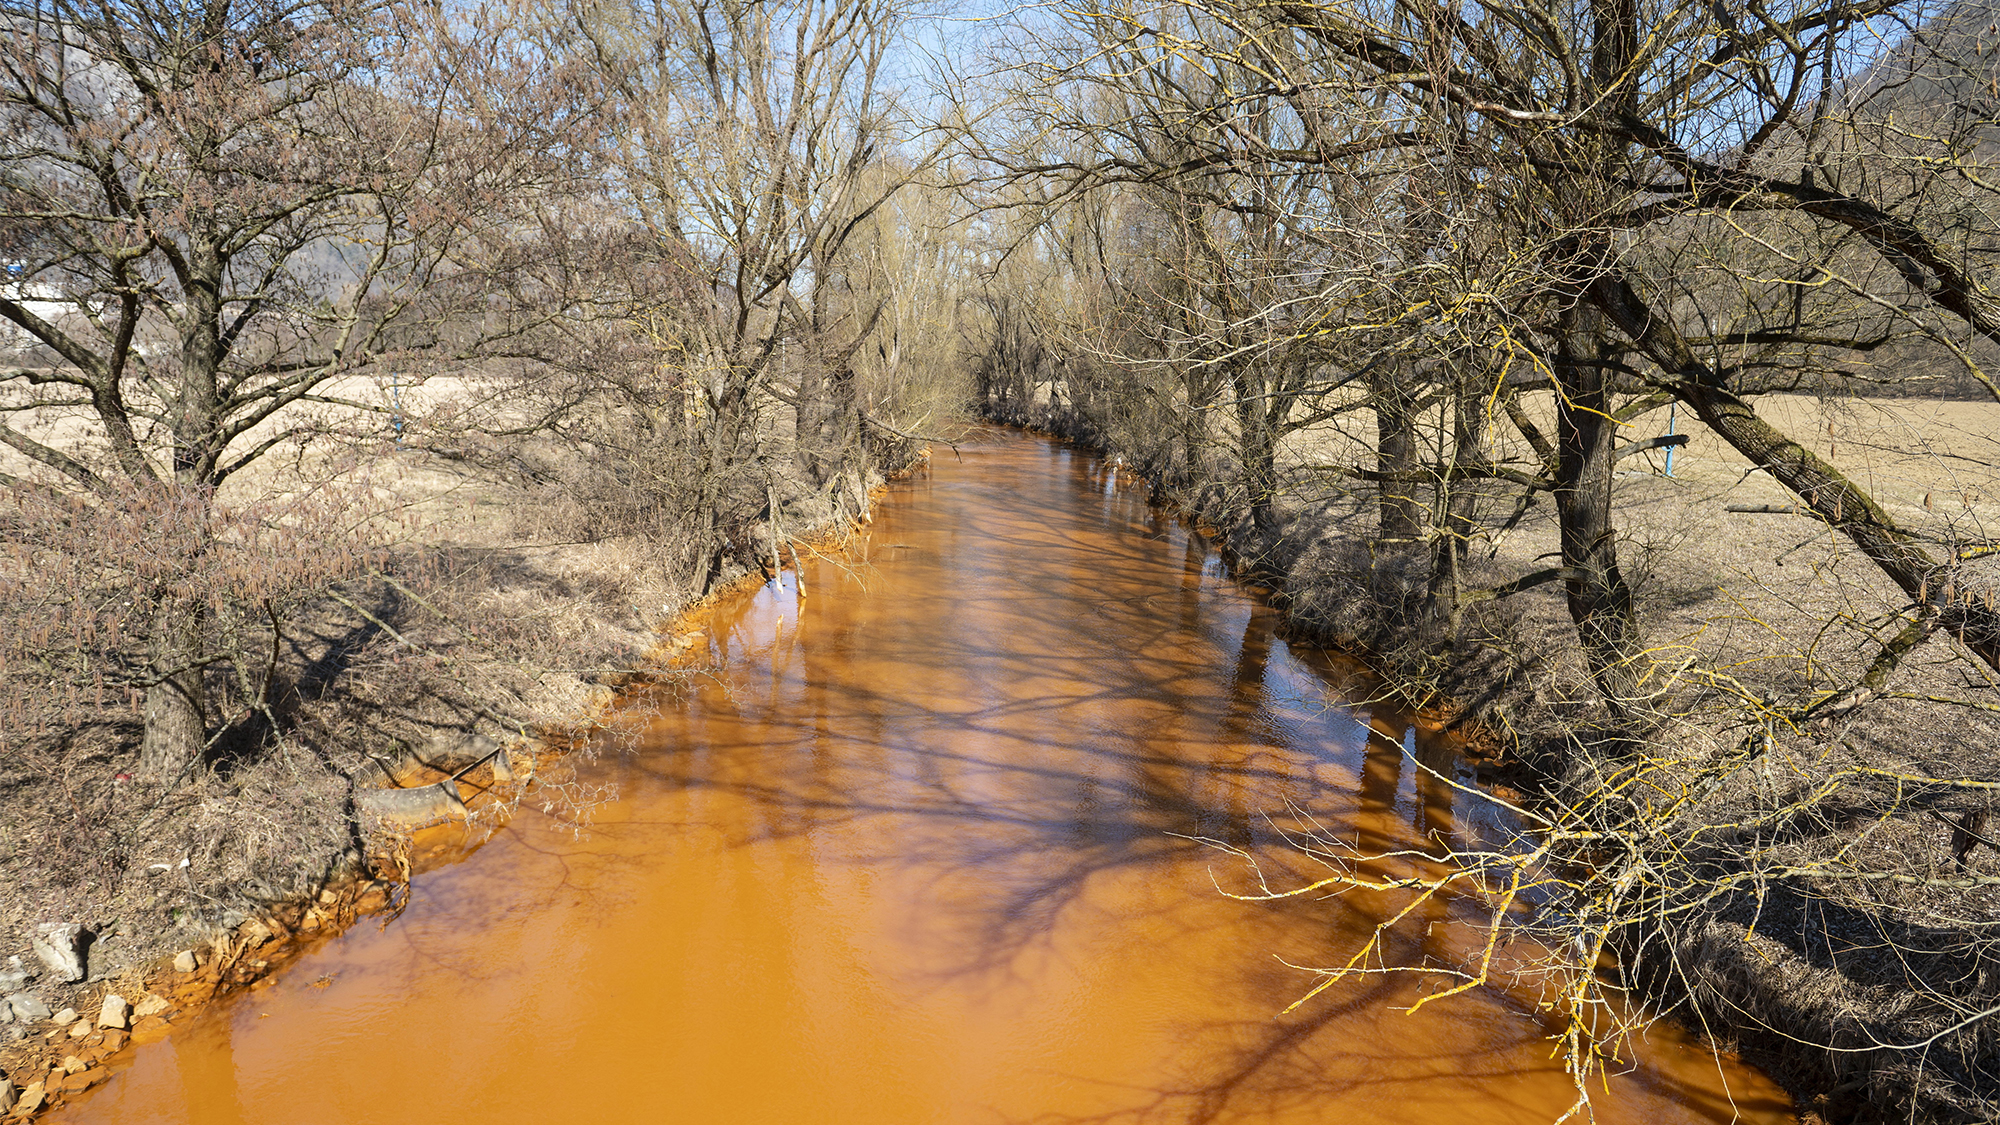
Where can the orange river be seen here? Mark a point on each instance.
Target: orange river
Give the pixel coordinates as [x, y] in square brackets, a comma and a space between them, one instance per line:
[923, 849]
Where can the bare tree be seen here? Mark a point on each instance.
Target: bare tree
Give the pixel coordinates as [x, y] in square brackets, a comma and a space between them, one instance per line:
[210, 214]
[1617, 206]
[749, 142]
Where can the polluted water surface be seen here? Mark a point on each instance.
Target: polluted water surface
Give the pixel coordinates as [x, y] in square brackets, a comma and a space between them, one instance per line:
[925, 846]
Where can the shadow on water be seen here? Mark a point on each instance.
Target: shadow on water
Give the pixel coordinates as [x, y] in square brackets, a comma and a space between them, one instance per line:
[1032, 700]
[927, 846]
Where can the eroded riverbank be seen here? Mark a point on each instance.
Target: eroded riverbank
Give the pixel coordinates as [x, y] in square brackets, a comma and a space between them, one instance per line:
[922, 849]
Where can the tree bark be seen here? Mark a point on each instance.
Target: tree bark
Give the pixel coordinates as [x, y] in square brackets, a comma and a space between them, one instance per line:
[1458, 519]
[1600, 602]
[176, 718]
[1257, 450]
[1401, 518]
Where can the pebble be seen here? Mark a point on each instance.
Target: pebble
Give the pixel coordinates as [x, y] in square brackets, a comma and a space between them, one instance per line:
[150, 1005]
[6, 1095]
[73, 1065]
[26, 1008]
[186, 962]
[65, 1017]
[116, 1012]
[79, 1029]
[60, 946]
[32, 1098]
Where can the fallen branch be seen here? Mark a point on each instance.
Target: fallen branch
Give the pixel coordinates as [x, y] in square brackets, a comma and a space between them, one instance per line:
[1764, 509]
[907, 436]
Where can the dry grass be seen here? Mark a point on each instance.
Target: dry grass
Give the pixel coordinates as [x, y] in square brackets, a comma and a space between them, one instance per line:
[508, 590]
[473, 619]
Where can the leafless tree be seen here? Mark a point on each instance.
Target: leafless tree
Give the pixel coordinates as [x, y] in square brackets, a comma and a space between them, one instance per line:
[749, 143]
[210, 214]
[1618, 206]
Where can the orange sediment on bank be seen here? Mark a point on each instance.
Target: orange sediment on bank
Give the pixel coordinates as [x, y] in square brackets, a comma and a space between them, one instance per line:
[53, 1067]
[59, 1062]
[928, 848]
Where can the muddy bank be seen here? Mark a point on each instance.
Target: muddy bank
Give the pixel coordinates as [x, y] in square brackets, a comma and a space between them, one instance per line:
[1821, 980]
[440, 693]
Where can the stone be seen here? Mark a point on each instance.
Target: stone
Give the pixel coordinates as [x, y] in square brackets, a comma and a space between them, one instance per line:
[74, 1065]
[85, 1079]
[113, 1041]
[149, 1005]
[80, 1028]
[27, 1008]
[6, 1095]
[115, 1013]
[256, 932]
[186, 962]
[60, 946]
[65, 1017]
[451, 750]
[32, 1099]
[419, 807]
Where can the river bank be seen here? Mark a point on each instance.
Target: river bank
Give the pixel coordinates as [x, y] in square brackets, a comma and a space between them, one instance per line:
[927, 844]
[1817, 983]
[475, 659]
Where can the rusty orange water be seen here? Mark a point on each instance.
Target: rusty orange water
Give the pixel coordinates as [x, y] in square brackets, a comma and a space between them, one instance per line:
[919, 854]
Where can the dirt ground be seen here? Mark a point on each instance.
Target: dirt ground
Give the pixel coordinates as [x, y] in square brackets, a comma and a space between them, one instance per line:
[1770, 597]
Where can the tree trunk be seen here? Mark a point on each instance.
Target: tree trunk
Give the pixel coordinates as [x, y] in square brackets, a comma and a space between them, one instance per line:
[1193, 429]
[1401, 518]
[811, 423]
[1600, 603]
[1458, 515]
[1257, 452]
[826, 424]
[176, 728]
[176, 719]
